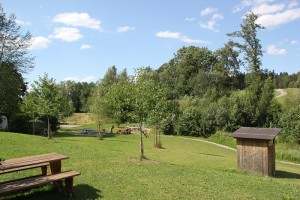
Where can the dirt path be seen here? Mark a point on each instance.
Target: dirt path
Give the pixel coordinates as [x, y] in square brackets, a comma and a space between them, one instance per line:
[282, 93]
[226, 147]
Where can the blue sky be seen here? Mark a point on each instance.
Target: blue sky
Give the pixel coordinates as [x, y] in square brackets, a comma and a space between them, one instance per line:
[79, 39]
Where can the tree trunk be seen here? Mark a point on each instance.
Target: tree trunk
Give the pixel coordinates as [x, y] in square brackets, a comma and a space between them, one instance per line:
[49, 129]
[100, 137]
[159, 143]
[155, 138]
[141, 143]
[33, 128]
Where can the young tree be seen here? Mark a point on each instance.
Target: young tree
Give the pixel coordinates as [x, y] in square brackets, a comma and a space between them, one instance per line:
[159, 113]
[47, 98]
[145, 100]
[30, 107]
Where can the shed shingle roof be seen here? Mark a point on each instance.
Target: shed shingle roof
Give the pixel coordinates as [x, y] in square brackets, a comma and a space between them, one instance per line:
[256, 133]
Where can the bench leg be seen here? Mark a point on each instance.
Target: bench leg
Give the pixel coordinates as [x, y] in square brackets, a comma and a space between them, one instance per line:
[69, 186]
[44, 170]
[55, 167]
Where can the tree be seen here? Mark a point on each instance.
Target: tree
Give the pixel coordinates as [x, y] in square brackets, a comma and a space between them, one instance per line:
[49, 102]
[13, 44]
[86, 91]
[145, 100]
[227, 66]
[251, 46]
[252, 50]
[12, 89]
[159, 113]
[112, 99]
[30, 107]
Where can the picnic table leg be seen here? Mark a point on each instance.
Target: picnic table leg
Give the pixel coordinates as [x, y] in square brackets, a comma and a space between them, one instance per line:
[55, 167]
[44, 170]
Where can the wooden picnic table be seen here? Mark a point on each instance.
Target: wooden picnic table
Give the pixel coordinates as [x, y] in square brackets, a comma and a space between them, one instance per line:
[17, 164]
[87, 130]
[43, 161]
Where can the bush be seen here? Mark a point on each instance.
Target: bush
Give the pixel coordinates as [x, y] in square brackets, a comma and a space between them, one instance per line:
[288, 151]
[224, 138]
[54, 123]
[20, 123]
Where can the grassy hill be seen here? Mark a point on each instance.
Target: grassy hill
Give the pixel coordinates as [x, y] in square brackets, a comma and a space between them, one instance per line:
[293, 94]
[79, 118]
[183, 169]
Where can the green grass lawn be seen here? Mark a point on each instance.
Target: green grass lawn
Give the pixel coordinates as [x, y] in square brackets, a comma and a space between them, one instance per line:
[183, 169]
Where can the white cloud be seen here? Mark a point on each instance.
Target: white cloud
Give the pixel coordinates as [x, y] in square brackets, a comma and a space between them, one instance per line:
[294, 42]
[78, 19]
[88, 79]
[267, 9]
[277, 19]
[207, 11]
[217, 16]
[211, 24]
[39, 43]
[189, 40]
[85, 46]
[293, 4]
[66, 34]
[248, 3]
[271, 14]
[71, 78]
[273, 50]
[125, 29]
[179, 36]
[167, 34]
[189, 19]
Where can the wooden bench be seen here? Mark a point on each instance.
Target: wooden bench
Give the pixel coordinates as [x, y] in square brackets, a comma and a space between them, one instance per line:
[27, 183]
[43, 161]
[43, 167]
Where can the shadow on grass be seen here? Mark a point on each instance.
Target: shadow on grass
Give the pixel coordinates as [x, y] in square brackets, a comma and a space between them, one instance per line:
[82, 191]
[284, 174]
[208, 154]
[71, 134]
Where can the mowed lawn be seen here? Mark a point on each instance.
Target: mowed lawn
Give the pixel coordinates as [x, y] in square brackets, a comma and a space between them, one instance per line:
[183, 169]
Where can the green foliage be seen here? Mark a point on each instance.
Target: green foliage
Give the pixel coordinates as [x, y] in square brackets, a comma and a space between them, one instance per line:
[288, 151]
[222, 137]
[251, 44]
[12, 88]
[196, 71]
[21, 123]
[284, 80]
[50, 101]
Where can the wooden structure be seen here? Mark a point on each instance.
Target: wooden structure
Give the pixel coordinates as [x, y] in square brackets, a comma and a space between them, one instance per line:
[38, 161]
[256, 149]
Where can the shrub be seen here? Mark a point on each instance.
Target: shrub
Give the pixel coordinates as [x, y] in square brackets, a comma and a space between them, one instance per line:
[222, 137]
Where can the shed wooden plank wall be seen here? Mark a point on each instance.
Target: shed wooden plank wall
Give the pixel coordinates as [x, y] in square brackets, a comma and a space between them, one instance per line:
[256, 156]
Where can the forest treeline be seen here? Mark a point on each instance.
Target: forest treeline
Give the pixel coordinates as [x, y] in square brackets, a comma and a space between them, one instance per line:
[196, 93]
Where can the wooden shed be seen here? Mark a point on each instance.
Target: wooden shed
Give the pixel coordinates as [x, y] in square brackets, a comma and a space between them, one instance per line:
[256, 149]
